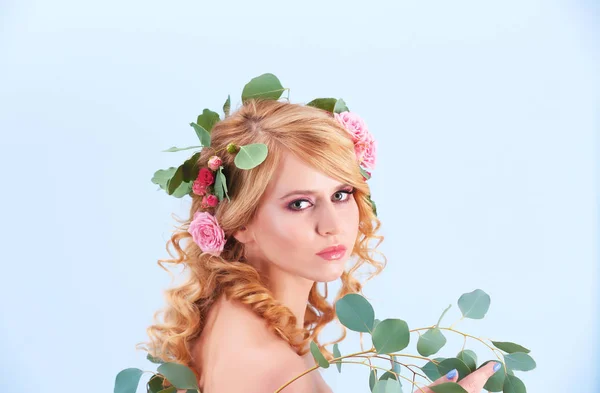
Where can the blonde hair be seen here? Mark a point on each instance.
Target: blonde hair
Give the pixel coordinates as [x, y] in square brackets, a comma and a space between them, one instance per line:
[317, 138]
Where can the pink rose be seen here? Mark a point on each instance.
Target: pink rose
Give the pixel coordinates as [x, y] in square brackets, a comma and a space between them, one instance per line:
[198, 188]
[214, 163]
[207, 233]
[366, 153]
[209, 200]
[355, 126]
[205, 177]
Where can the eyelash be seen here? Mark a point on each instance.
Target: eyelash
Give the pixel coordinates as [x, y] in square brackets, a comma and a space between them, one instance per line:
[346, 191]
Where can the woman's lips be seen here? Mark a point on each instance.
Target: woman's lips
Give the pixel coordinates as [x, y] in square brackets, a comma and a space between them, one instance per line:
[332, 253]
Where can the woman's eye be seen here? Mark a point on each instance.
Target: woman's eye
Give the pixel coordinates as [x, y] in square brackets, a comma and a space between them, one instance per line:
[340, 196]
[297, 205]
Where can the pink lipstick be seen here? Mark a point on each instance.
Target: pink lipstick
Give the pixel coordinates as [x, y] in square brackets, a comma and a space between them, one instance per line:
[332, 253]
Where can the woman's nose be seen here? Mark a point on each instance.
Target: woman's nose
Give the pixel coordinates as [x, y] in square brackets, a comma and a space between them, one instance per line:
[329, 222]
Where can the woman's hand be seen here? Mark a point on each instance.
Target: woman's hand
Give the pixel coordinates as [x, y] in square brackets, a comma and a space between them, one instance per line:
[472, 383]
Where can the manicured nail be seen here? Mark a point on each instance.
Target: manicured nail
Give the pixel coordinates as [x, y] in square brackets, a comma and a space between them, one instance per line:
[497, 366]
[451, 374]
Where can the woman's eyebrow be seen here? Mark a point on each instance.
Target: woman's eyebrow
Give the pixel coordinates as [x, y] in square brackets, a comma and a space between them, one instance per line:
[310, 192]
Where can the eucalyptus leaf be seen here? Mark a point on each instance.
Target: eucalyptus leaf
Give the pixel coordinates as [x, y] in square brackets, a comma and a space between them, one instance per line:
[227, 106]
[184, 189]
[219, 181]
[448, 387]
[431, 342]
[175, 181]
[364, 172]
[469, 357]
[162, 176]
[266, 86]
[431, 370]
[321, 360]
[174, 149]
[337, 354]
[391, 335]
[519, 361]
[327, 104]
[202, 133]
[170, 389]
[510, 347]
[180, 376]
[372, 378]
[250, 155]
[513, 384]
[127, 380]
[450, 364]
[373, 205]
[355, 312]
[496, 382]
[375, 323]
[474, 304]
[208, 119]
[340, 106]
[396, 366]
[155, 384]
[191, 168]
[387, 375]
[387, 386]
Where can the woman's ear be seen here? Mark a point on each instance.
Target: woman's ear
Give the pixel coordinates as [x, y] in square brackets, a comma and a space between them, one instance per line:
[243, 235]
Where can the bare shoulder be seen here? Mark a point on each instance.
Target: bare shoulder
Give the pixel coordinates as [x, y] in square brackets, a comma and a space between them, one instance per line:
[264, 370]
[252, 359]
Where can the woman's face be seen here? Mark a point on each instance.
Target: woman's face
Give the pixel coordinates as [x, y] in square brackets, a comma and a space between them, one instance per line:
[303, 212]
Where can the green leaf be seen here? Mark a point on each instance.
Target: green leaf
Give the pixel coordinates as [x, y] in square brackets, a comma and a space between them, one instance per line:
[474, 304]
[373, 205]
[314, 349]
[127, 380]
[327, 104]
[181, 376]
[469, 357]
[191, 168]
[387, 375]
[372, 378]
[265, 86]
[227, 106]
[155, 384]
[364, 172]
[450, 364]
[355, 312]
[162, 176]
[387, 386]
[519, 361]
[337, 354]
[431, 370]
[173, 149]
[431, 342]
[250, 155]
[510, 347]
[375, 323]
[208, 119]
[513, 384]
[170, 389]
[340, 106]
[202, 133]
[391, 335]
[496, 382]
[448, 387]
[153, 359]
[221, 185]
[184, 189]
[175, 181]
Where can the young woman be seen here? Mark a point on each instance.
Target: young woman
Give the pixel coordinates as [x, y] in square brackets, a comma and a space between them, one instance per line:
[244, 318]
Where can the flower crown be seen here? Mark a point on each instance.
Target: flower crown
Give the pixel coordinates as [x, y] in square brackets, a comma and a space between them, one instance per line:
[210, 182]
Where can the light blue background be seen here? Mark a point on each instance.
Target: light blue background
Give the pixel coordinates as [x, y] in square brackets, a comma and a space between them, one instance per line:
[485, 112]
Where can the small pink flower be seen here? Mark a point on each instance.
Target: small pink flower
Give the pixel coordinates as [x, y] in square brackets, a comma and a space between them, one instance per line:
[207, 233]
[209, 200]
[355, 126]
[205, 177]
[214, 163]
[198, 189]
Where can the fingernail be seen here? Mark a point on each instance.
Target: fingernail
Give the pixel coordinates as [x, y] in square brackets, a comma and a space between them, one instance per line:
[497, 366]
[451, 374]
